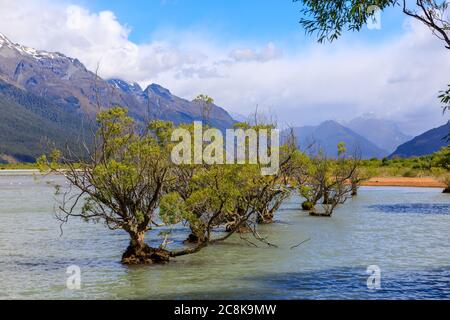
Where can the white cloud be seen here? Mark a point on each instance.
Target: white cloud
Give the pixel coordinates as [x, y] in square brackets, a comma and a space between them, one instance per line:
[397, 79]
[269, 52]
[94, 38]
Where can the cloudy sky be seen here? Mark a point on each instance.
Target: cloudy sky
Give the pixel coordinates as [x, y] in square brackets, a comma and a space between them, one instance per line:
[246, 54]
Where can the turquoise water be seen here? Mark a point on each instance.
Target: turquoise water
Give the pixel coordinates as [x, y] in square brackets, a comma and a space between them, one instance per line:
[404, 231]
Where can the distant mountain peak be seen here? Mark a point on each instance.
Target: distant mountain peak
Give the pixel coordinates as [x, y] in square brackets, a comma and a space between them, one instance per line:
[326, 136]
[3, 39]
[33, 81]
[159, 90]
[383, 133]
[125, 85]
[424, 144]
[27, 51]
[330, 123]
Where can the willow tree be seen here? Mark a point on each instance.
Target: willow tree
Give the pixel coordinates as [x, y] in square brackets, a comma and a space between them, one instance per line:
[441, 161]
[265, 193]
[328, 182]
[275, 189]
[122, 181]
[328, 19]
[206, 103]
[210, 209]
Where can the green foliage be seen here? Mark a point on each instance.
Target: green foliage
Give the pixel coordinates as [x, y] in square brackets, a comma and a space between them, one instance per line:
[173, 210]
[329, 180]
[45, 163]
[307, 205]
[328, 19]
[410, 174]
[207, 103]
[445, 100]
[204, 99]
[436, 164]
[123, 182]
[342, 149]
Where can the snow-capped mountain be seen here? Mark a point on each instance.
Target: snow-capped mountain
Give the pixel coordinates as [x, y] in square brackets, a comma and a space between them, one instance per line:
[26, 51]
[66, 83]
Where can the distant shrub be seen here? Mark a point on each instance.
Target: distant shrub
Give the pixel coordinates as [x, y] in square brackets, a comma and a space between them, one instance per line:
[410, 174]
[307, 206]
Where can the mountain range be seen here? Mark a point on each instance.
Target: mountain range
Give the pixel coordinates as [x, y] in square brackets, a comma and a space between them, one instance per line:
[49, 99]
[424, 144]
[383, 133]
[326, 136]
[49, 95]
[368, 137]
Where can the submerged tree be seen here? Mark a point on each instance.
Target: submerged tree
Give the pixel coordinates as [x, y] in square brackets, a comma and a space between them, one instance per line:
[129, 182]
[211, 208]
[268, 192]
[122, 182]
[328, 181]
[441, 161]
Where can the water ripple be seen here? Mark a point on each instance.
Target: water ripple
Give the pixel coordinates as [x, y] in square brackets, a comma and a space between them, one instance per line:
[421, 208]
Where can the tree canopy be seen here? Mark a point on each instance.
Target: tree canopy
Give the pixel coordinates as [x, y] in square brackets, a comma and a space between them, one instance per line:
[328, 19]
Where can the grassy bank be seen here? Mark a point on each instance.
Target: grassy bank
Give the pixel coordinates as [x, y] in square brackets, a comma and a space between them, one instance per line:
[19, 166]
[436, 165]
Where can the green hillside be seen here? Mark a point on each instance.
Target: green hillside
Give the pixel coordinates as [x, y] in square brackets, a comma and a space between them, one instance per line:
[30, 127]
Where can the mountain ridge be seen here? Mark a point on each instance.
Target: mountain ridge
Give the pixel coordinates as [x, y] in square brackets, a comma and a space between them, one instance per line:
[68, 83]
[383, 133]
[326, 136]
[75, 94]
[427, 143]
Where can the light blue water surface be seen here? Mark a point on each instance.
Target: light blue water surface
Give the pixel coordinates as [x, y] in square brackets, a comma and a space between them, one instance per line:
[404, 231]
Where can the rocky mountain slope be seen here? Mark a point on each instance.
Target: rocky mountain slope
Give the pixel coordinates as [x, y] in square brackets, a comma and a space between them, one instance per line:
[383, 133]
[425, 144]
[326, 137]
[46, 83]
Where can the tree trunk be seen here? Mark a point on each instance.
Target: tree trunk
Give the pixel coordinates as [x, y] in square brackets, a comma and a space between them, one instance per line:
[323, 214]
[265, 217]
[138, 252]
[326, 198]
[234, 223]
[354, 189]
[319, 196]
[238, 227]
[197, 234]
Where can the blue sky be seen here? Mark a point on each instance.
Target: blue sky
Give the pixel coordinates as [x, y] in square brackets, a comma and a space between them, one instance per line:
[246, 53]
[230, 20]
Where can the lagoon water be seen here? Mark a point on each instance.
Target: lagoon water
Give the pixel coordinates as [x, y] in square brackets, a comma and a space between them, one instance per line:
[404, 231]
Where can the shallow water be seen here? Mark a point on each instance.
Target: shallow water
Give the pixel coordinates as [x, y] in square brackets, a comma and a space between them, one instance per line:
[404, 231]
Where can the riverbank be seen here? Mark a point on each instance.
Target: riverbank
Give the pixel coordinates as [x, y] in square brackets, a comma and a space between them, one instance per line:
[20, 172]
[373, 182]
[403, 182]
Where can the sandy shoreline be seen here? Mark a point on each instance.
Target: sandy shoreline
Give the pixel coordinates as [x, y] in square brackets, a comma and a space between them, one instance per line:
[404, 182]
[374, 182]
